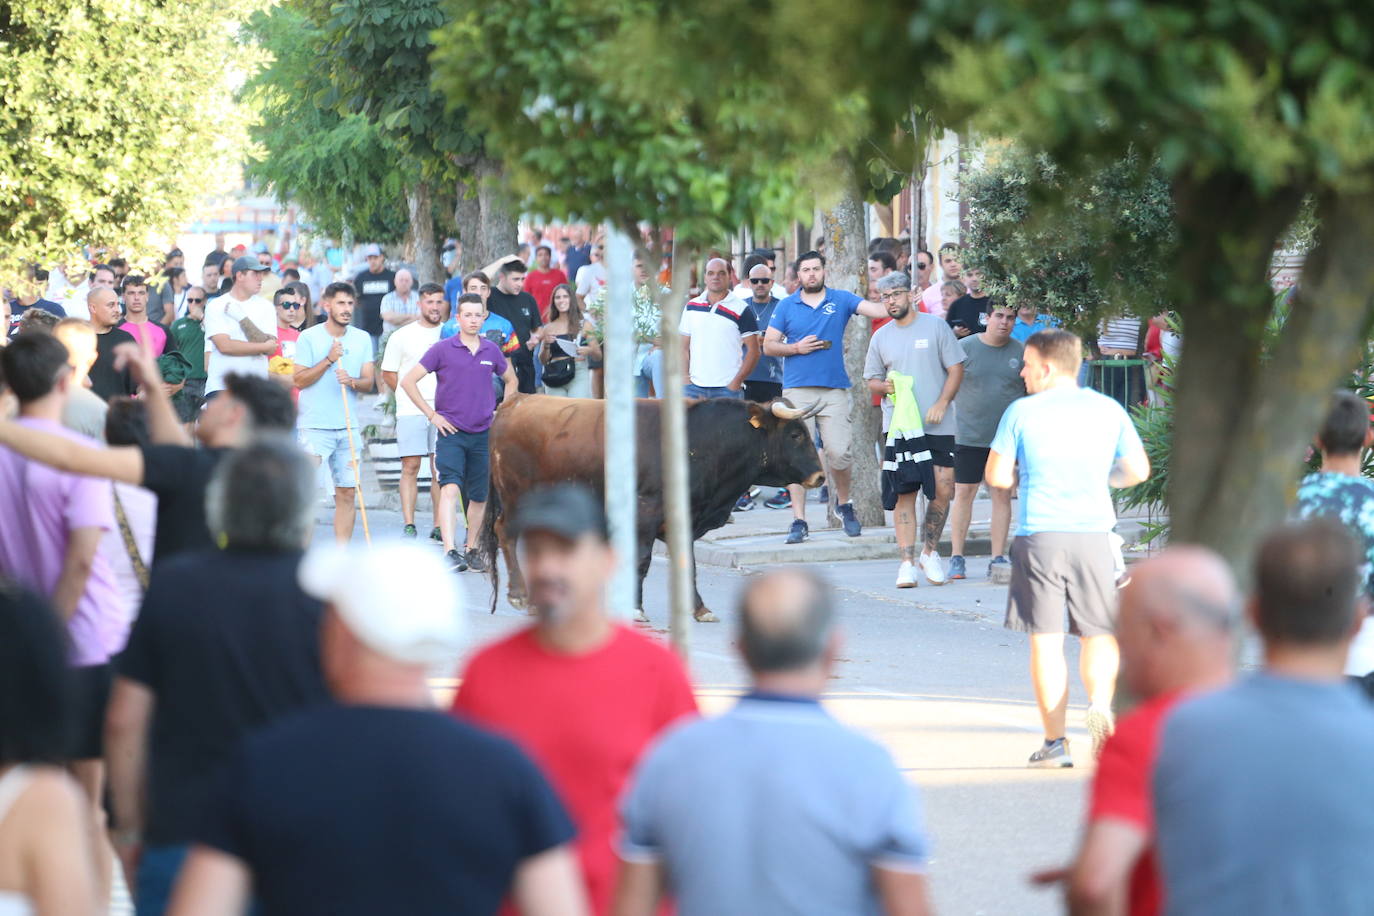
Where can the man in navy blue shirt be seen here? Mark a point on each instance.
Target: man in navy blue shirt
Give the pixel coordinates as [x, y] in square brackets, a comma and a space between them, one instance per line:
[807, 330]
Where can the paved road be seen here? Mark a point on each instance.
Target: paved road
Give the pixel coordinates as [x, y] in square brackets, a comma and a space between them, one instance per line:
[931, 674]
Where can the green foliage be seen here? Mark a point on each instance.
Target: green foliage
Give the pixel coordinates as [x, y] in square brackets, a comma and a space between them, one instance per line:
[1155, 424]
[1081, 245]
[340, 168]
[114, 118]
[627, 117]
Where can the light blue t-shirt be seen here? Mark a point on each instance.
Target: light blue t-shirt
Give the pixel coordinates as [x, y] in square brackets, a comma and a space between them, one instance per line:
[773, 807]
[321, 405]
[1264, 801]
[1022, 332]
[1065, 441]
[795, 320]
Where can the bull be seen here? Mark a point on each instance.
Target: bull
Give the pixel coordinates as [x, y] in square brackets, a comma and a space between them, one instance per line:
[731, 445]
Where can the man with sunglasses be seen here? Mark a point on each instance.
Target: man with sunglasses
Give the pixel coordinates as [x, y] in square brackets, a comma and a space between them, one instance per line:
[188, 336]
[764, 381]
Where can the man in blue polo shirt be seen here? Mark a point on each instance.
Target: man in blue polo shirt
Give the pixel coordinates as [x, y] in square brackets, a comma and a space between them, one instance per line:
[464, 405]
[807, 330]
[334, 361]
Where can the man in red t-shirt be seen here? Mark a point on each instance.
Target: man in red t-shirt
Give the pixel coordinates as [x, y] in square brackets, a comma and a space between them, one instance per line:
[1175, 628]
[540, 281]
[580, 694]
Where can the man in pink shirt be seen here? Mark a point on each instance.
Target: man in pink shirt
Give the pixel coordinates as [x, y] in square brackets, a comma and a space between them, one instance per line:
[51, 526]
[148, 333]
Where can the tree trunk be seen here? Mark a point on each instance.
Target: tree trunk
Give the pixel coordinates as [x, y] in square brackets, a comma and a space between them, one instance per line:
[1242, 418]
[497, 232]
[421, 246]
[846, 256]
[673, 413]
[467, 216]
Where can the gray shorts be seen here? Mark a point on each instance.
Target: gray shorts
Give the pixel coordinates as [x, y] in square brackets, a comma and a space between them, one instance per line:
[415, 435]
[1053, 572]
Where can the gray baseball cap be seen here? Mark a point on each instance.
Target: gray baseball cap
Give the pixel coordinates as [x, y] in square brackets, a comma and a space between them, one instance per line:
[248, 262]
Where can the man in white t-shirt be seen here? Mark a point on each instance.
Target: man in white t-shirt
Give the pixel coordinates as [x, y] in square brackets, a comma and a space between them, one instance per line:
[591, 277]
[720, 338]
[238, 327]
[415, 435]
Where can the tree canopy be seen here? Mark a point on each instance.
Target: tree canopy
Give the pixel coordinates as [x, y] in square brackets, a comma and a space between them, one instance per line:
[112, 122]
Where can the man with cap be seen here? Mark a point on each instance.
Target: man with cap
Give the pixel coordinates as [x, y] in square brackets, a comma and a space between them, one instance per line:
[238, 327]
[199, 674]
[379, 803]
[372, 285]
[583, 694]
[270, 281]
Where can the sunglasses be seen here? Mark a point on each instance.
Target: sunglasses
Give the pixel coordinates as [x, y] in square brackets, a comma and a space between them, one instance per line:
[189, 299]
[760, 279]
[921, 265]
[291, 305]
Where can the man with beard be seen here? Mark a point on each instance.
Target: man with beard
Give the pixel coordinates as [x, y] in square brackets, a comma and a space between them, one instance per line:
[334, 362]
[579, 693]
[807, 329]
[416, 437]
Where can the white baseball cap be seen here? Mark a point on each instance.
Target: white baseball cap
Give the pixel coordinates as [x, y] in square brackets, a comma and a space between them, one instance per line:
[399, 599]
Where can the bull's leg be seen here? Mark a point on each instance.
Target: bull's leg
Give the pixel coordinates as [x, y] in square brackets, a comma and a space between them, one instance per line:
[515, 580]
[702, 613]
[646, 558]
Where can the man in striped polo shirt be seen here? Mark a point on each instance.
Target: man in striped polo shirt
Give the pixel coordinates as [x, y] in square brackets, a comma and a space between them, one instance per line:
[720, 338]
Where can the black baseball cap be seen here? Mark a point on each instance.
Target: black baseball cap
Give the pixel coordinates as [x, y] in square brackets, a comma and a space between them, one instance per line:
[569, 510]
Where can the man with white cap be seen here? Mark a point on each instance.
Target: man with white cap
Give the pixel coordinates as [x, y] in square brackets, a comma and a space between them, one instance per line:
[380, 803]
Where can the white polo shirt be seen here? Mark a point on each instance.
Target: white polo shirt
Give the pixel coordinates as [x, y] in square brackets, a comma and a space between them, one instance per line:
[257, 310]
[403, 351]
[717, 333]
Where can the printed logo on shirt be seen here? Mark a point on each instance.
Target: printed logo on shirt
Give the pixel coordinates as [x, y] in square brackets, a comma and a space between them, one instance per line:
[828, 309]
[376, 287]
[486, 362]
[1014, 362]
[922, 343]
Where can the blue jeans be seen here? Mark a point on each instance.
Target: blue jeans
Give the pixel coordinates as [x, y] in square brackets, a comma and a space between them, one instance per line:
[650, 370]
[157, 875]
[698, 391]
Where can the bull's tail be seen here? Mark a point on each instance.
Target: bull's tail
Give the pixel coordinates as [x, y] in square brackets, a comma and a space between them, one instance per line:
[490, 545]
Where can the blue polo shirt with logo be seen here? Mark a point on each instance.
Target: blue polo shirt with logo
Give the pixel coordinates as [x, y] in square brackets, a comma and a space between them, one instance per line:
[827, 321]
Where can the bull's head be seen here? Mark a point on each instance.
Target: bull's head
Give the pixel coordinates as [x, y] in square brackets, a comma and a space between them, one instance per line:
[790, 454]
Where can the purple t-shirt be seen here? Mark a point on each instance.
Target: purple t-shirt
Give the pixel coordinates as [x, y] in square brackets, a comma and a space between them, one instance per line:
[39, 508]
[463, 393]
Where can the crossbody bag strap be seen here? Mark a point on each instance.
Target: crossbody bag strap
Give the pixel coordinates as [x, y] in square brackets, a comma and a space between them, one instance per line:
[130, 545]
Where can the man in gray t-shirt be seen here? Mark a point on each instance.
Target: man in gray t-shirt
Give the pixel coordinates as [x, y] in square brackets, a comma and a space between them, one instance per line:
[1264, 791]
[923, 347]
[992, 380]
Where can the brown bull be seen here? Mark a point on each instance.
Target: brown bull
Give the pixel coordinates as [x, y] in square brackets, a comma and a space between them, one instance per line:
[731, 445]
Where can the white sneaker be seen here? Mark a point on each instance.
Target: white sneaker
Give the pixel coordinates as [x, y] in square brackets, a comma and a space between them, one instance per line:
[933, 568]
[906, 575]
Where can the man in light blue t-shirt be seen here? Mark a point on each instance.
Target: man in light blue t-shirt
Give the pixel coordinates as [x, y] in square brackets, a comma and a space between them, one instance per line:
[1071, 446]
[796, 813]
[807, 331]
[334, 362]
[1263, 790]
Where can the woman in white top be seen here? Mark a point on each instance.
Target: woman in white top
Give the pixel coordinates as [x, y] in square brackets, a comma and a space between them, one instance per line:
[568, 329]
[47, 855]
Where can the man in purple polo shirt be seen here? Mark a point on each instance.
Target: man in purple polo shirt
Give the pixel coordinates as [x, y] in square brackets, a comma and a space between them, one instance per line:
[51, 527]
[464, 404]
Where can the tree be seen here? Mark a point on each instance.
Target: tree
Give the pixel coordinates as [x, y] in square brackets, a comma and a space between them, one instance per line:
[1250, 109]
[1080, 246]
[586, 126]
[110, 136]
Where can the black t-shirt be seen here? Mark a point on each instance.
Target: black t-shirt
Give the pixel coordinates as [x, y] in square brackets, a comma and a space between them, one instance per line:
[228, 642]
[179, 476]
[971, 311]
[344, 810]
[371, 289]
[520, 310]
[105, 380]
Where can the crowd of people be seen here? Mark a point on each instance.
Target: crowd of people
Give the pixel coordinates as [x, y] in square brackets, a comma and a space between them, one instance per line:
[243, 725]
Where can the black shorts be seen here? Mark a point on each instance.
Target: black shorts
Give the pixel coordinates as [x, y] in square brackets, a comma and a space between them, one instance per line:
[1054, 572]
[462, 459]
[970, 463]
[762, 392]
[91, 691]
[941, 450]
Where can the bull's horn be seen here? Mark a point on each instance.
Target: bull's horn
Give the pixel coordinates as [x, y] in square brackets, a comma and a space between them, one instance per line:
[783, 410]
[811, 411]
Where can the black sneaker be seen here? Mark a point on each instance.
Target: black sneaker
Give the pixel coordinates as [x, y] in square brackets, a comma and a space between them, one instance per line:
[437, 535]
[851, 523]
[779, 500]
[409, 531]
[475, 561]
[456, 561]
[798, 532]
[1053, 755]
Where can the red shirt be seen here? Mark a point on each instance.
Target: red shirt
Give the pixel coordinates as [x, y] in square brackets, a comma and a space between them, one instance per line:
[585, 719]
[540, 284]
[1121, 789]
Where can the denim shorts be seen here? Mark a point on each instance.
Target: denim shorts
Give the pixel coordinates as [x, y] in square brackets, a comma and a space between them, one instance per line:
[461, 459]
[331, 447]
